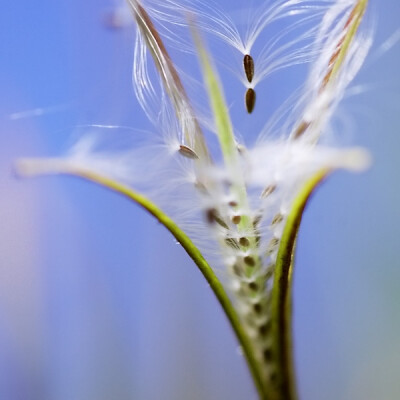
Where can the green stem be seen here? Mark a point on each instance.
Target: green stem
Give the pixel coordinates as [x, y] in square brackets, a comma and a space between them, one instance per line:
[281, 313]
[195, 254]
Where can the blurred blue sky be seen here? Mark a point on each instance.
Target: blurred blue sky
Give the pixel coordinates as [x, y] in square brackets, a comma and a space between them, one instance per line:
[98, 302]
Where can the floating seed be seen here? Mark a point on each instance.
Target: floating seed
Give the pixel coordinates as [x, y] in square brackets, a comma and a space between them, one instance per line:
[267, 191]
[233, 204]
[244, 241]
[250, 261]
[250, 100]
[301, 129]
[236, 219]
[187, 152]
[248, 65]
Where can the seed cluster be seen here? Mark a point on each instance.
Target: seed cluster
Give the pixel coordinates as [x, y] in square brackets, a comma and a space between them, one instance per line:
[250, 97]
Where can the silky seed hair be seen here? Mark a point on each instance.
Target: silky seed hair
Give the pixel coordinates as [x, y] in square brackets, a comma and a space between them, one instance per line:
[178, 169]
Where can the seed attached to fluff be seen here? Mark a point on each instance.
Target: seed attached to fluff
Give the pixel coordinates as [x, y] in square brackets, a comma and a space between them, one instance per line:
[272, 245]
[257, 308]
[304, 125]
[244, 241]
[236, 219]
[250, 261]
[232, 243]
[267, 191]
[277, 219]
[187, 152]
[213, 216]
[237, 270]
[250, 100]
[253, 286]
[248, 65]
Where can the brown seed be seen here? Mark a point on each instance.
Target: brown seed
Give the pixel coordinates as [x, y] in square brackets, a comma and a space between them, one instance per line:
[236, 219]
[244, 241]
[187, 152]
[250, 100]
[212, 216]
[257, 307]
[257, 220]
[237, 270]
[253, 286]
[248, 65]
[250, 261]
[301, 129]
[267, 191]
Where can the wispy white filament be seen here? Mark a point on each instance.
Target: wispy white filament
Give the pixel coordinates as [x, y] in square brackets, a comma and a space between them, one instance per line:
[243, 203]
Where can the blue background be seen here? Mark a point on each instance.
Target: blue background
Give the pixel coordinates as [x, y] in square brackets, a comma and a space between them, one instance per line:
[96, 299]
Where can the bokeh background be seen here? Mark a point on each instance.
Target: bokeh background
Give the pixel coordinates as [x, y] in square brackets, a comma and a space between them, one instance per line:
[97, 301]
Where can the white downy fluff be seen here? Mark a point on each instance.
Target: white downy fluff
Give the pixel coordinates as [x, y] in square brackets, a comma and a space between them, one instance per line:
[206, 197]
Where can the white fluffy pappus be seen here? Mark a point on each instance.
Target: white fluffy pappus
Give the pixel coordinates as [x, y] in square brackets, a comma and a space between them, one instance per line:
[234, 207]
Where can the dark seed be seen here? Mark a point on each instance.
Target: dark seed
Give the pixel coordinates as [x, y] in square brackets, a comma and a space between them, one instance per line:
[264, 329]
[244, 241]
[250, 261]
[257, 220]
[267, 354]
[277, 219]
[250, 100]
[187, 152]
[257, 307]
[237, 270]
[248, 65]
[253, 286]
[232, 243]
[213, 216]
[301, 129]
[236, 219]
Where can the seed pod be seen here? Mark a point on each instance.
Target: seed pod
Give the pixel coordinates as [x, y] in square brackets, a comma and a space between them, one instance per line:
[250, 100]
[248, 65]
